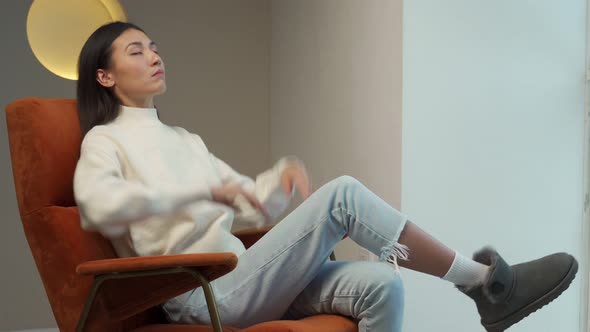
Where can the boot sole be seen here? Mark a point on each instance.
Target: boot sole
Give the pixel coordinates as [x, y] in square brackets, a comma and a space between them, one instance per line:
[538, 304]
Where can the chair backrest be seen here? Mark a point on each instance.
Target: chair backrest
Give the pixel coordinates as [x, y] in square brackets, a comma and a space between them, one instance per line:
[44, 138]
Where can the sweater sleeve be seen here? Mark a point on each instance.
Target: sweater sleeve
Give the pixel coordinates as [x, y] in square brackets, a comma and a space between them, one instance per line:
[267, 186]
[107, 202]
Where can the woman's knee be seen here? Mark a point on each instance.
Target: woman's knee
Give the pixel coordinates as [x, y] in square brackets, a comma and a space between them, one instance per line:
[343, 182]
[387, 284]
[386, 303]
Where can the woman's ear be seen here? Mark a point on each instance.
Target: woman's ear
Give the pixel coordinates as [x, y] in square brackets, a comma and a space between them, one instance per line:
[105, 78]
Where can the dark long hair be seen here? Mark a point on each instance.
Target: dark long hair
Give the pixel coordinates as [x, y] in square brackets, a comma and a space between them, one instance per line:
[96, 104]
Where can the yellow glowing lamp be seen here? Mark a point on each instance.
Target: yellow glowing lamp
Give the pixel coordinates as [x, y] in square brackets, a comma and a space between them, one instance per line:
[57, 30]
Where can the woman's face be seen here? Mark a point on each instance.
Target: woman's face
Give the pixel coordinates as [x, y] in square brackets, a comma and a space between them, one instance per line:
[137, 71]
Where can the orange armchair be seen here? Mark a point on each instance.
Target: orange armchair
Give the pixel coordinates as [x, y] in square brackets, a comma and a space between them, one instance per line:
[88, 287]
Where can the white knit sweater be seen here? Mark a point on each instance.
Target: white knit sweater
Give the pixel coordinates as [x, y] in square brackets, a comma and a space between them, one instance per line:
[146, 186]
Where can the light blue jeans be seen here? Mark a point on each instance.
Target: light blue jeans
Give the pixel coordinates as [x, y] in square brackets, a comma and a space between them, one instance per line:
[287, 274]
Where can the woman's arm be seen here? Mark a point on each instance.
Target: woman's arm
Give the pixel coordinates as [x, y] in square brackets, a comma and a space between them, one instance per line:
[267, 186]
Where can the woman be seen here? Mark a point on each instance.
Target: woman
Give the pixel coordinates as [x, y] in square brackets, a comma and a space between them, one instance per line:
[154, 189]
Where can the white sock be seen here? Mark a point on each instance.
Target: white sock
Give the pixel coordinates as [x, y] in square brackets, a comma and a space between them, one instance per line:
[466, 272]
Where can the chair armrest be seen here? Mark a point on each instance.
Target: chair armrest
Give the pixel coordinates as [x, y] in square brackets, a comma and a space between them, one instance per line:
[131, 285]
[220, 263]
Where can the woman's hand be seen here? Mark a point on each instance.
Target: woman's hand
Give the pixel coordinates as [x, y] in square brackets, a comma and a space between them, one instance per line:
[227, 193]
[294, 174]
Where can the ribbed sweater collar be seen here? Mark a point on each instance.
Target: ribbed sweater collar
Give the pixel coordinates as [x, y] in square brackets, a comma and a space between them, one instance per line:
[138, 115]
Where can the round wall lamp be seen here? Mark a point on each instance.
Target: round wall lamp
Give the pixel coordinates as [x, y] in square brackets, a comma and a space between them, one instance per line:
[57, 30]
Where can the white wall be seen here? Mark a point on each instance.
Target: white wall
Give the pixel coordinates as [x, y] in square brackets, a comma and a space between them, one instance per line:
[217, 58]
[335, 92]
[492, 142]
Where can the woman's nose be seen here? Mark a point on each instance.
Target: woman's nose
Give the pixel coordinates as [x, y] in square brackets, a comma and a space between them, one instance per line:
[156, 60]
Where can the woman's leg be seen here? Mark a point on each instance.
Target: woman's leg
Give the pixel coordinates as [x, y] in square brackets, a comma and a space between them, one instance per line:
[371, 292]
[427, 254]
[271, 273]
[503, 294]
[277, 268]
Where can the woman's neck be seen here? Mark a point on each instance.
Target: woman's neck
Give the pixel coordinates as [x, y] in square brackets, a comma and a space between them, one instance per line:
[145, 102]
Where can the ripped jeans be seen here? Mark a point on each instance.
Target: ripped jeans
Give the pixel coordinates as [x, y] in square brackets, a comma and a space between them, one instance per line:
[287, 274]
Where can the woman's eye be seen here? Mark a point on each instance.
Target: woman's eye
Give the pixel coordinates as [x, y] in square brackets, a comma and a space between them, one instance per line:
[135, 53]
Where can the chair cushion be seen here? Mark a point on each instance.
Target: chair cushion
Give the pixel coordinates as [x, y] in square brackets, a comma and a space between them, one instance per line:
[181, 328]
[319, 323]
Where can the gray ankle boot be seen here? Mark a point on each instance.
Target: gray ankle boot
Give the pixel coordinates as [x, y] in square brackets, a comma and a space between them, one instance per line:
[510, 293]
